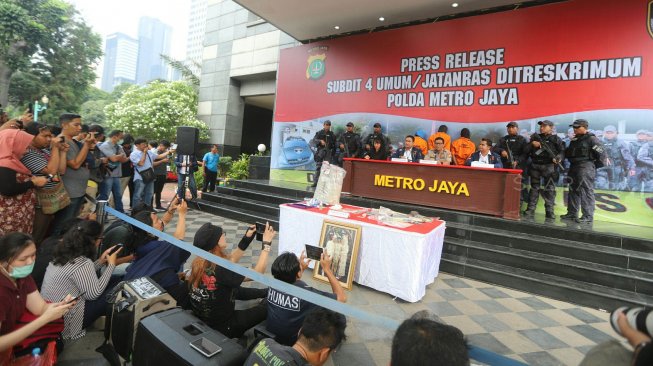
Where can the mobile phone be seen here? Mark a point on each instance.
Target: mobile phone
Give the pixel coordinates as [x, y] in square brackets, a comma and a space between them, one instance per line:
[115, 249]
[74, 298]
[313, 252]
[205, 347]
[260, 229]
[62, 139]
[173, 147]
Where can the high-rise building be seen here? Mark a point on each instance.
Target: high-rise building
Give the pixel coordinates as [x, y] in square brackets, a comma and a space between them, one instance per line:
[120, 56]
[195, 40]
[154, 38]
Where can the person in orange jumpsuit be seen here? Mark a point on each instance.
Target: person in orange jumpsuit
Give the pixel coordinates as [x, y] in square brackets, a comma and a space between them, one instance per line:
[463, 147]
[442, 132]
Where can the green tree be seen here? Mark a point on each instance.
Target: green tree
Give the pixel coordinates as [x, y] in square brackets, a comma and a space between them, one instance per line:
[184, 70]
[155, 110]
[92, 111]
[54, 51]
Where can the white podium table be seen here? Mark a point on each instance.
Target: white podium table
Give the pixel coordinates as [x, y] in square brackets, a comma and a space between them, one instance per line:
[400, 262]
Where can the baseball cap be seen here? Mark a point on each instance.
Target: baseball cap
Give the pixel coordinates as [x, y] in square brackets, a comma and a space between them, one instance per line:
[377, 125]
[545, 122]
[350, 124]
[207, 236]
[641, 132]
[610, 128]
[580, 123]
[512, 124]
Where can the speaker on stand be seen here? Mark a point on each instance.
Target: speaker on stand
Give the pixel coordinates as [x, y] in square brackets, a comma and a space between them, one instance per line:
[187, 141]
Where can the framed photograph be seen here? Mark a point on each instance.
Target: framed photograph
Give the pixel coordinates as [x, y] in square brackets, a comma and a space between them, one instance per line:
[341, 242]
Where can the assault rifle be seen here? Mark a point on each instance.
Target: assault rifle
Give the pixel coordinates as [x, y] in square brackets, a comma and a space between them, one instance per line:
[545, 147]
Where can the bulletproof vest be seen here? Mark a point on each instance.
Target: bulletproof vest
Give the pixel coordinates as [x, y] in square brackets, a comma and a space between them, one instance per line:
[350, 140]
[634, 150]
[542, 156]
[516, 146]
[613, 151]
[580, 149]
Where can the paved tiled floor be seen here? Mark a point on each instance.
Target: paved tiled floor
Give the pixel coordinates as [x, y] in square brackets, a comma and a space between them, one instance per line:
[531, 329]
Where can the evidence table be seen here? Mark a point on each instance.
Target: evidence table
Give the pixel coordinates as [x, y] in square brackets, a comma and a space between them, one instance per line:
[489, 191]
[400, 262]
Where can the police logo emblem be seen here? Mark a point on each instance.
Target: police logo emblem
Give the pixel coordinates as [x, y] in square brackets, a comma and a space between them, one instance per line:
[649, 18]
[316, 63]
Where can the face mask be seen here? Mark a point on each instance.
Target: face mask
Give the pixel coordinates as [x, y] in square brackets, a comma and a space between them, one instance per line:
[22, 272]
[120, 142]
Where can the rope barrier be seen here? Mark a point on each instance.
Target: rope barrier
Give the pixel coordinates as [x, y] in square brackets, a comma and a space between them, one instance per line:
[478, 354]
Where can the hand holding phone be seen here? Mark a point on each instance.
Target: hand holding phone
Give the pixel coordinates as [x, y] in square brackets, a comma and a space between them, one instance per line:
[260, 229]
[74, 298]
[314, 252]
[116, 248]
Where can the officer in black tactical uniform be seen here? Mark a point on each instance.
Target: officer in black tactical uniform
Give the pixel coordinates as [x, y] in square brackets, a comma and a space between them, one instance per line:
[369, 140]
[620, 162]
[546, 151]
[585, 153]
[325, 142]
[645, 156]
[349, 143]
[635, 181]
[512, 149]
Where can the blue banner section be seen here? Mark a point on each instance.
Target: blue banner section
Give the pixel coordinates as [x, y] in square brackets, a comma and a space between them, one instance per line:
[475, 353]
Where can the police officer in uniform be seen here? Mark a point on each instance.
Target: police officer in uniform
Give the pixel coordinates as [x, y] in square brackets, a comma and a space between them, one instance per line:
[635, 181]
[349, 143]
[620, 161]
[512, 149]
[369, 140]
[325, 141]
[645, 156]
[584, 153]
[546, 151]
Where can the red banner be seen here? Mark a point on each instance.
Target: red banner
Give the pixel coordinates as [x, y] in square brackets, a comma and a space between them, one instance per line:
[581, 55]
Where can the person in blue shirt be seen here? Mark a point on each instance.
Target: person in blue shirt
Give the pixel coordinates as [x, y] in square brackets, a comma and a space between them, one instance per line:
[210, 171]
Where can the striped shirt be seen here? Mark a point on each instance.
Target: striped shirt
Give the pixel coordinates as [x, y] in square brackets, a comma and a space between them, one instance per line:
[73, 278]
[36, 160]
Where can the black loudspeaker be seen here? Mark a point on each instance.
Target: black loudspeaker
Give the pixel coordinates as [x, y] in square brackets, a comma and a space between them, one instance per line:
[187, 140]
[164, 339]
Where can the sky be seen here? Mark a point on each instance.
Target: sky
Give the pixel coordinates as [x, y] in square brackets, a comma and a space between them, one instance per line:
[107, 17]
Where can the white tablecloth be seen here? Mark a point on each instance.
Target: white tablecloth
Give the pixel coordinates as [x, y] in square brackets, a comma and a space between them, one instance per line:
[395, 261]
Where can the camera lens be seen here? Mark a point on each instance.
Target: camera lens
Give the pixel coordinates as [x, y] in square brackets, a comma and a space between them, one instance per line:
[638, 318]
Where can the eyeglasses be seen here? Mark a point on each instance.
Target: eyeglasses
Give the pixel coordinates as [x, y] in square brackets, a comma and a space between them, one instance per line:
[575, 127]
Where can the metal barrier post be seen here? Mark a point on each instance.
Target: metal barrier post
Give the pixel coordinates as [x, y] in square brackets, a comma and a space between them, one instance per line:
[100, 212]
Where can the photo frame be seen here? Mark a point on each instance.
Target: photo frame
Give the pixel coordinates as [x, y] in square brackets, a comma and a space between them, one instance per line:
[341, 242]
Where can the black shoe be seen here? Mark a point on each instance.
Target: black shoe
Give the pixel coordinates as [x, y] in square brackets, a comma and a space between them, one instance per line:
[585, 220]
[568, 217]
[528, 213]
[550, 215]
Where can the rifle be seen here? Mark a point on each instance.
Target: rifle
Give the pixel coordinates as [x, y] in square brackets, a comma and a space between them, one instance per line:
[548, 150]
[511, 160]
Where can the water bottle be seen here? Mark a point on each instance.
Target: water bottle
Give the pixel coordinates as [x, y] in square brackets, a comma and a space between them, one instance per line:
[36, 352]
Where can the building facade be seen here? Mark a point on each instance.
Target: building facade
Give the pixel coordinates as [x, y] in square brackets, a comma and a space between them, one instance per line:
[154, 39]
[237, 85]
[120, 58]
[195, 37]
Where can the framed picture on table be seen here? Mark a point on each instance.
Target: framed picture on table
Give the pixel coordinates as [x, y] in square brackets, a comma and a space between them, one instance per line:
[340, 241]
